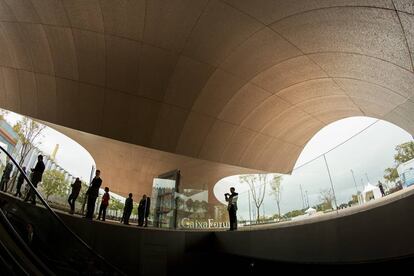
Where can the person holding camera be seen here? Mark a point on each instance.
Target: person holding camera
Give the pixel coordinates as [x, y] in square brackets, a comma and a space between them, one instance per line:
[232, 207]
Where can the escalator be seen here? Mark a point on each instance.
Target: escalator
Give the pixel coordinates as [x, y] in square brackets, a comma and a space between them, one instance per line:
[16, 258]
[35, 241]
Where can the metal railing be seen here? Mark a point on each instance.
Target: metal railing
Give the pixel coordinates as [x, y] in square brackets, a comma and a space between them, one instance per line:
[59, 220]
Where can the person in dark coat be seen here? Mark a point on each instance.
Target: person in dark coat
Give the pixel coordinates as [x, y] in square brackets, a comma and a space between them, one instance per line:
[6, 176]
[76, 187]
[37, 173]
[232, 207]
[129, 205]
[143, 210]
[381, 188]
[20, 181]
[92, 194]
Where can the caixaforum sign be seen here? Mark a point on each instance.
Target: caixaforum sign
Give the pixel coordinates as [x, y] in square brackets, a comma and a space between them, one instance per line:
[203, 224]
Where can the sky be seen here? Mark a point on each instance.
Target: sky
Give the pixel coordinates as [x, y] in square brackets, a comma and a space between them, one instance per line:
[367, 154]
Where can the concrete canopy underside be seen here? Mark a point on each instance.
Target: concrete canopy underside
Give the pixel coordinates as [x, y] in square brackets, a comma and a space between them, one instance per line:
[237, 82]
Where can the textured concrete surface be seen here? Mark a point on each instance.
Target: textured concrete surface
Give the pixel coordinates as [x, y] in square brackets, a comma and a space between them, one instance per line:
[244, 83]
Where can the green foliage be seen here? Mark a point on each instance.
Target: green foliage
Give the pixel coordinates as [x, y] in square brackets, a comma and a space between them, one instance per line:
[116, 204]
[180, 203]
[3, 114]
[276, 216]
[135, 209]
[391, 174]
[327, 197]
[28, 131]
[197, 205]
[204, 206]
[189, 203]
[354, 200]
[82, 192]
[404, 153]
[53, 183]
[294, 213]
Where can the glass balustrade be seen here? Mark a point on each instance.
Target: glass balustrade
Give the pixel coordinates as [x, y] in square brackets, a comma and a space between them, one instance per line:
[46, 234]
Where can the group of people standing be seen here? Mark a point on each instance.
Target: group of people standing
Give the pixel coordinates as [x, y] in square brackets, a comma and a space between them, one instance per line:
[35, 178]
[143, 210]
[92, 194]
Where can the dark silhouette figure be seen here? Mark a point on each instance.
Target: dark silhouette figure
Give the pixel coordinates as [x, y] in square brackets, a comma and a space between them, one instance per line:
[30, 237]
[104, 204]
[6, 176]
[381, 188]
[232, 207]
[76, 187]
[37, 173]
[143, 210]
[92, 193]
[129, 205]
[20, 181]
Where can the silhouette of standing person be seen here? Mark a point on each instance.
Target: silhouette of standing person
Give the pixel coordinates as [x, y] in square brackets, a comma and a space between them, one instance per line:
[129, 205]
[6, 176]
[76, 187]
[37, 173]
[92, 194]
[19, 184]
[381, 188]
[30, 237]
[232, 207]
[143, 210]
[104, 204]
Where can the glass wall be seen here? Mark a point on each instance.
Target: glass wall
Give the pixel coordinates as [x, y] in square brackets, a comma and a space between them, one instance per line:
[346, 176]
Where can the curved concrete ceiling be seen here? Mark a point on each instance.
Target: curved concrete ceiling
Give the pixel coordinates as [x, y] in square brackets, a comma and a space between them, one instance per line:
[127, 168]
[240, 82]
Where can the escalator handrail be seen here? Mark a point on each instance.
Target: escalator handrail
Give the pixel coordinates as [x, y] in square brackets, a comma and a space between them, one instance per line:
[23, 245]
[12, 258]
[57, 217]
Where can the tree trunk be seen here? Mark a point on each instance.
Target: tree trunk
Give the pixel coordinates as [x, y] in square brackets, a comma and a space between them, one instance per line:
[278, 208]
[258, 215]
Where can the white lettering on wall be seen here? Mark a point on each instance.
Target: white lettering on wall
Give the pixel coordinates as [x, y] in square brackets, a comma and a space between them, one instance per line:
[203, 224]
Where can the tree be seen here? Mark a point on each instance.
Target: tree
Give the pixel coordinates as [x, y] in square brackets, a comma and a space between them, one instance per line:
[294, 213]
[135, 209]
[197, 205]
[82, 192]
[204, 206]
[180, 203]
[3, 114]
[28, 131]
[405, 152]
[53, 183]
[258, 191]
[327, 197]
[116, 205]
[220, 213]
[189, 204]
[391, 174]
[276, 187]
